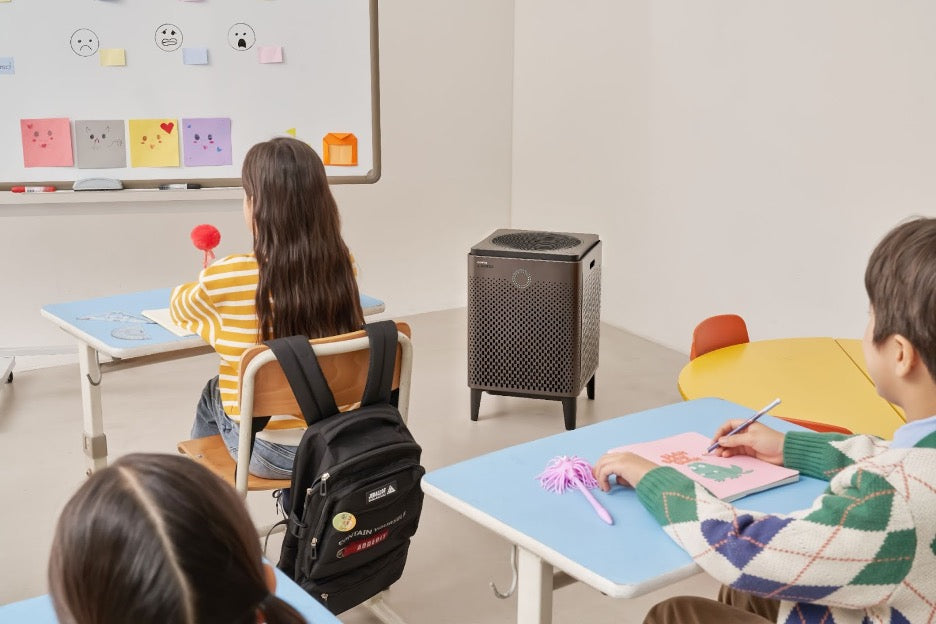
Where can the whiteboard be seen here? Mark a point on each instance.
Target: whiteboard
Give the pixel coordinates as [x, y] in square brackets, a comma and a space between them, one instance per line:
[327, 83]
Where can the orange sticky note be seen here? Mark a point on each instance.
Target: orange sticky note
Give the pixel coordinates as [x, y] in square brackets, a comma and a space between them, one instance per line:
[339, 148]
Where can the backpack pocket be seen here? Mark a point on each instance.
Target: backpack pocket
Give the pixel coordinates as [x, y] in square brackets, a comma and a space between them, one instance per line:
[360, 521]
[344, 591]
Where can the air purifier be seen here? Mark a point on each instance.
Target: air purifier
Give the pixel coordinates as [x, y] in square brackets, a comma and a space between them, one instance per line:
[534, 301]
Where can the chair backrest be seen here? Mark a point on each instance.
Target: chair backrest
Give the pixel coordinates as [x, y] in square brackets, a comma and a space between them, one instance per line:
[344, 359]
[716, 332]
[344, 363]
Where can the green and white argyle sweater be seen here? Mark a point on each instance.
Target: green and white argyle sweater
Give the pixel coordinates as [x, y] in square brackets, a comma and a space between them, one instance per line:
[865, 552]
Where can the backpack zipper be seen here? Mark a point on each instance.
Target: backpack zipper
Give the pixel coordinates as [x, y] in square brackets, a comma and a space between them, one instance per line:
[323, 490]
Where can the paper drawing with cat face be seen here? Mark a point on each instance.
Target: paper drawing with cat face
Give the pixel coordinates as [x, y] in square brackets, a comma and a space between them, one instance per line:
[206, 141]
[100, 144]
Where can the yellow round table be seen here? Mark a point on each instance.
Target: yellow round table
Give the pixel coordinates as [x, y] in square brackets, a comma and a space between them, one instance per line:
[821, 380]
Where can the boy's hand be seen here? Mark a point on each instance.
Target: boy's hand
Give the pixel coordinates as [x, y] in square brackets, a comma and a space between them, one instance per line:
[628, 467]
[756, 440]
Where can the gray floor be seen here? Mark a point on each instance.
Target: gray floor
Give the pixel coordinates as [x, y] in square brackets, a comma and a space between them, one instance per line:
[451, 561]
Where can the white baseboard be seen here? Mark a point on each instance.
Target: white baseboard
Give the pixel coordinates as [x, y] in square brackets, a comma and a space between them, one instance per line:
[31, 358]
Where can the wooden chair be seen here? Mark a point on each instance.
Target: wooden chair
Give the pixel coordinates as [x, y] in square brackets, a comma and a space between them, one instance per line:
[264, 391]
[726, 330]
[716, 332]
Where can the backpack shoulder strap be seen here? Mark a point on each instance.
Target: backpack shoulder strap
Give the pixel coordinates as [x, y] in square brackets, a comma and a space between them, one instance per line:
[382, 338]
[305, 377]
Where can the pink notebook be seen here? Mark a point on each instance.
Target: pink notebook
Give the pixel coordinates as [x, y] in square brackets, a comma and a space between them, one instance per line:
[727, 478]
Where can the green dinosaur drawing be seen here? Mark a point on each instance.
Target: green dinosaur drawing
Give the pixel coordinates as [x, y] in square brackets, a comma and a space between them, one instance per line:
[716, 473]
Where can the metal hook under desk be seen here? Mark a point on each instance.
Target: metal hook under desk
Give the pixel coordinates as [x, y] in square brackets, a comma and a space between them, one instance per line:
[513, 581]
[100, 373]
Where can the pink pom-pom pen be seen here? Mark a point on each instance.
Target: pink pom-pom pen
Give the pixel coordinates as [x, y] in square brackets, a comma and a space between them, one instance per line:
[564, 472]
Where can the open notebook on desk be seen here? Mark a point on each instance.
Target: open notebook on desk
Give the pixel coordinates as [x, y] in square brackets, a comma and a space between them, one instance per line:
[728, 478]
[161, 316]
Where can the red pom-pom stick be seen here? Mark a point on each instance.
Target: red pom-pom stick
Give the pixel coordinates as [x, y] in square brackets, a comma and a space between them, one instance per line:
[206, 237]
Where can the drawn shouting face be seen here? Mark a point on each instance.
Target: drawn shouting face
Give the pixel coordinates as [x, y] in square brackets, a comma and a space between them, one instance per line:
[241, 37]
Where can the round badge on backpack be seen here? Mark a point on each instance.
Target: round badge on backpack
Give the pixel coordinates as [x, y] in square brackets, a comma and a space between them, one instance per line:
[344, 521]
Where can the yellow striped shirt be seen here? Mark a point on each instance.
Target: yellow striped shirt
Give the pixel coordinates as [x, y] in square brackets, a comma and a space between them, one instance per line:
[220, 308]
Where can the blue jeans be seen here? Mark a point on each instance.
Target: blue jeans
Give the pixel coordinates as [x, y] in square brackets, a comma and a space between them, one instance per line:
[268, 460]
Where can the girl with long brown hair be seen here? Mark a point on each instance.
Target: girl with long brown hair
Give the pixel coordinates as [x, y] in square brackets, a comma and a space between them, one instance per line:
[157, 538]
[298, 280]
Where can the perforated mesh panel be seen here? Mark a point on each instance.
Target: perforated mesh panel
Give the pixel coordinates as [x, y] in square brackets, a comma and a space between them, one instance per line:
[591, 321]
[522, 339]
[536, 241]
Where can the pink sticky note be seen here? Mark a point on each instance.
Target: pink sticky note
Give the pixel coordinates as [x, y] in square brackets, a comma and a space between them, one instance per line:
[46, 142]
[270, 54]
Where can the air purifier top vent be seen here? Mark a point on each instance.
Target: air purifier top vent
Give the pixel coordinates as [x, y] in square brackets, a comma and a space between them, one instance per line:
[536, 241]
[534, 244]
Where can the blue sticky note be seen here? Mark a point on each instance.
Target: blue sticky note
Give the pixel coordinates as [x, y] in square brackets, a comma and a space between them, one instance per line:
[6, 65]
[195, 56]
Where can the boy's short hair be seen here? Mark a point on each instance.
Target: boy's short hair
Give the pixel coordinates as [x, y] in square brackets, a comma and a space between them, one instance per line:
[901, 284]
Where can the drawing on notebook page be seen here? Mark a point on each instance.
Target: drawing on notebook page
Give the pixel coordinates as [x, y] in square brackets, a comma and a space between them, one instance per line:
[727, 478]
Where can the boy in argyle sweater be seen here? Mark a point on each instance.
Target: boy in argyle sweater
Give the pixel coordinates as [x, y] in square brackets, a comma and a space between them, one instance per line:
[865, 551]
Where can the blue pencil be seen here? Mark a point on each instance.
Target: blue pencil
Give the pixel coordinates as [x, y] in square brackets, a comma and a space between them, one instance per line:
[746, 423]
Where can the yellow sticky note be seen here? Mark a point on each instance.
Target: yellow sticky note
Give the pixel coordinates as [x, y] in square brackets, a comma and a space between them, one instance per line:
[154, 142]
[291, 132]
[113, 57]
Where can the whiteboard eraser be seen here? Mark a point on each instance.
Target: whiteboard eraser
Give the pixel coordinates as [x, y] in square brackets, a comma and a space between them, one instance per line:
[97, 184]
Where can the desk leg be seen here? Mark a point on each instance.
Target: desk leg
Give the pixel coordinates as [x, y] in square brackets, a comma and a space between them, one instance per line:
[534, 589]
[94, 442]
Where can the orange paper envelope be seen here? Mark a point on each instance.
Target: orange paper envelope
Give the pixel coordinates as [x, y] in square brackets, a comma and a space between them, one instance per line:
[339, 148]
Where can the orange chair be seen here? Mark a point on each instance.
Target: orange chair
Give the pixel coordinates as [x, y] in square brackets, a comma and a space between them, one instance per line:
[716, 332]
[725, 330]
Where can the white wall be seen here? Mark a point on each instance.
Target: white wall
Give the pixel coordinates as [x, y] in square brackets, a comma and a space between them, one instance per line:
[733, 156]
[446, 114]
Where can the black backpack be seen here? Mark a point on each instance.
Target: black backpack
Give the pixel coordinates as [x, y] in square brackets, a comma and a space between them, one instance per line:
[355, 496]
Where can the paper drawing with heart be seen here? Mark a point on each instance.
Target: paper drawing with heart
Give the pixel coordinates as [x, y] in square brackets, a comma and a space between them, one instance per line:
[46, 142]
[153, 143]
[206, 141]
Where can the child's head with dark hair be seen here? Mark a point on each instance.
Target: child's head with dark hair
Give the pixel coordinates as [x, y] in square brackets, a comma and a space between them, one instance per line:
[158, 538]
[305, 266]
[901, 284]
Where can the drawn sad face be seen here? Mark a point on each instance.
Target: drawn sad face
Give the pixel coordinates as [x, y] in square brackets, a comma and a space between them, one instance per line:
[84, 42]
[241, 37]
[168, 37]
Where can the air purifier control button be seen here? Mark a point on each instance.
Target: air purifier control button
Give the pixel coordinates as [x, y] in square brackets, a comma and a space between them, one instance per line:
[521, 278]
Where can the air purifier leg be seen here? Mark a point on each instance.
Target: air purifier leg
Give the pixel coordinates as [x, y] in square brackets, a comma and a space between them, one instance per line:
[475, 403]
[568, 412]
[590, 388]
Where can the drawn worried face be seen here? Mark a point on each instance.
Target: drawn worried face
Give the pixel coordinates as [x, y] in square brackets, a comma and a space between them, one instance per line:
[168, 37]
[241, 37]
[84, 42]
[101, 137]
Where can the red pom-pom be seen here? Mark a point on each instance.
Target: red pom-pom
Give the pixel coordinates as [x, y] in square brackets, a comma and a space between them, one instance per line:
[206, 237]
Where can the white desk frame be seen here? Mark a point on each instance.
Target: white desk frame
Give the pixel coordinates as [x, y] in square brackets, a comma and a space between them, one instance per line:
[91, 369]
